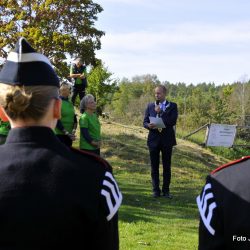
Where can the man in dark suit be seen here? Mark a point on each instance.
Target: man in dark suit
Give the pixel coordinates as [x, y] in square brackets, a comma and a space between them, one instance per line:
[161, 139]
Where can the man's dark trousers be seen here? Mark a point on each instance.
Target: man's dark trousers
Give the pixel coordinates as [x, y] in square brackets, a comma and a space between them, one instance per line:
[78, 89]
[166, 153]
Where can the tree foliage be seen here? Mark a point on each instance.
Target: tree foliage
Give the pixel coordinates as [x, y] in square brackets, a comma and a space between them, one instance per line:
[197, 105]
[54, 27]
[129, 101]
[101, 85]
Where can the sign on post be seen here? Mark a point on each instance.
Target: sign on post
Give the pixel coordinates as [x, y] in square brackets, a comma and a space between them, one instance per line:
[220, 135]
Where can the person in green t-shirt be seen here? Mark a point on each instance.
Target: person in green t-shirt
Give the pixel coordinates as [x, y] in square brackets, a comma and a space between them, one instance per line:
[79, 73]
[4, 126]
[4, 130]
[66, 126]
[90, 129]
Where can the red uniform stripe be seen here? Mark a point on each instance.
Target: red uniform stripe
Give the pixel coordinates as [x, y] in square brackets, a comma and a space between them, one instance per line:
[230, 164]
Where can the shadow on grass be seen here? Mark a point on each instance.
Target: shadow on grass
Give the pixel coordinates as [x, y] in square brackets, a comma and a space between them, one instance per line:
[196, 155]
[129, 150]
[138, 205]
[129, 157]
[131, 154]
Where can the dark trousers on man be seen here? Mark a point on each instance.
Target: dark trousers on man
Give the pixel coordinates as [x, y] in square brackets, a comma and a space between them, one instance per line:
[166, 153]
[78, 89]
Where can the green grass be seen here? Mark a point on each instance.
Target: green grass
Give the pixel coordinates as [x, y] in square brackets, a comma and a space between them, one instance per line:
[146, 222]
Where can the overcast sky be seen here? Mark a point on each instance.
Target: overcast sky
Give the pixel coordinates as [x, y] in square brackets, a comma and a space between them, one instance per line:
[189, 41]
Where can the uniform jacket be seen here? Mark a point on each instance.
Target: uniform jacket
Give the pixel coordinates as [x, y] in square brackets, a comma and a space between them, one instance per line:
[166, 137]
[224, 207]
[52, 197]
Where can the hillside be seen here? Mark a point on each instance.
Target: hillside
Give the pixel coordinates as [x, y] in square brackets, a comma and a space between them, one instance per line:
[145, 222]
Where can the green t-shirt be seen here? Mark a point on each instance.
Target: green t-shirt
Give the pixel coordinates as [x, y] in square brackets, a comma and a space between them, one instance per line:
[91, 122]
[4, 128]
[75, 70]
[67, 117]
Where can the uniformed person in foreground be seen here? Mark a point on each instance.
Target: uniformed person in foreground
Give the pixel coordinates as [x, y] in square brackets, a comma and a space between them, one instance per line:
[224, 206]
[51, 196]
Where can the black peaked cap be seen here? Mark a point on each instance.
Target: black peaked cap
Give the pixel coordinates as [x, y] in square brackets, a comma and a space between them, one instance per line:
[26, 67]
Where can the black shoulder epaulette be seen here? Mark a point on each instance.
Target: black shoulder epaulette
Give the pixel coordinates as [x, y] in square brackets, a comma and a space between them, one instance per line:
[93, 156]
[230, 164]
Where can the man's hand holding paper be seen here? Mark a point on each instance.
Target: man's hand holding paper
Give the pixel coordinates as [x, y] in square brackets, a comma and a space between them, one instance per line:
[157, 122]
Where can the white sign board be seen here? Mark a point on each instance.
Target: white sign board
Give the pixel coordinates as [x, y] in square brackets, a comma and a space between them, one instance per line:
[221, 135]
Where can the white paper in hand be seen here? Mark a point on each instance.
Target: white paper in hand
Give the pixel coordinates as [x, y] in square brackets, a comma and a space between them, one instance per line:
[157, 121]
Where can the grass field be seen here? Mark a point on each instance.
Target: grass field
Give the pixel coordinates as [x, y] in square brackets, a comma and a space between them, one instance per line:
[146, 222]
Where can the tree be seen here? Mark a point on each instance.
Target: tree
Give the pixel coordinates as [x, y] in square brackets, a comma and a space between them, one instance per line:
[129, 102]
[243, 95]
[55, 28]
[101, 85]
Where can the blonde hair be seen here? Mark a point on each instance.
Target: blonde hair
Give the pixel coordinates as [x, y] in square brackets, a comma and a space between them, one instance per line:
[26, 102]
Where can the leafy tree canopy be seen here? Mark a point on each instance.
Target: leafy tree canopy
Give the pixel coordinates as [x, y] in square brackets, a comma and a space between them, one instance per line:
[101, 85]
[54, 27]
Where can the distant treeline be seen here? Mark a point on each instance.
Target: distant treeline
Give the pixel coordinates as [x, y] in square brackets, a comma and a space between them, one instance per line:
[197, 104]
[125, 101]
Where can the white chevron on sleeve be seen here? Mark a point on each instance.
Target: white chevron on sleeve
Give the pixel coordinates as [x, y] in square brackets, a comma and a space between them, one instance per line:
[112, 187]
[202, 202]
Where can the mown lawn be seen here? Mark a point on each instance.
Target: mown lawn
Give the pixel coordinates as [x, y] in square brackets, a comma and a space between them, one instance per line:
[146, 222]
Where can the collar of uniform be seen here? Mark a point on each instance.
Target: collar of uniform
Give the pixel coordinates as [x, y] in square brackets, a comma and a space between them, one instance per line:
[34, 134]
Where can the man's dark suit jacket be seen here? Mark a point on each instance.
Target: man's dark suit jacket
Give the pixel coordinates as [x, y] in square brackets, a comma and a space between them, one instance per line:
[165, 138]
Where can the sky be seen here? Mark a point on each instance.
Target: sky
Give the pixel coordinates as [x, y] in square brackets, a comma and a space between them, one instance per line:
[190, 41]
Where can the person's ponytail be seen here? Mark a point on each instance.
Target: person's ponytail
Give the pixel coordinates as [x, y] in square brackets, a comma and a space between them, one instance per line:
[29, 102]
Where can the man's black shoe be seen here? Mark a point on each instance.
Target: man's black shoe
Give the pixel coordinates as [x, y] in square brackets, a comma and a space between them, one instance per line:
[167, 195]
[156, 195]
